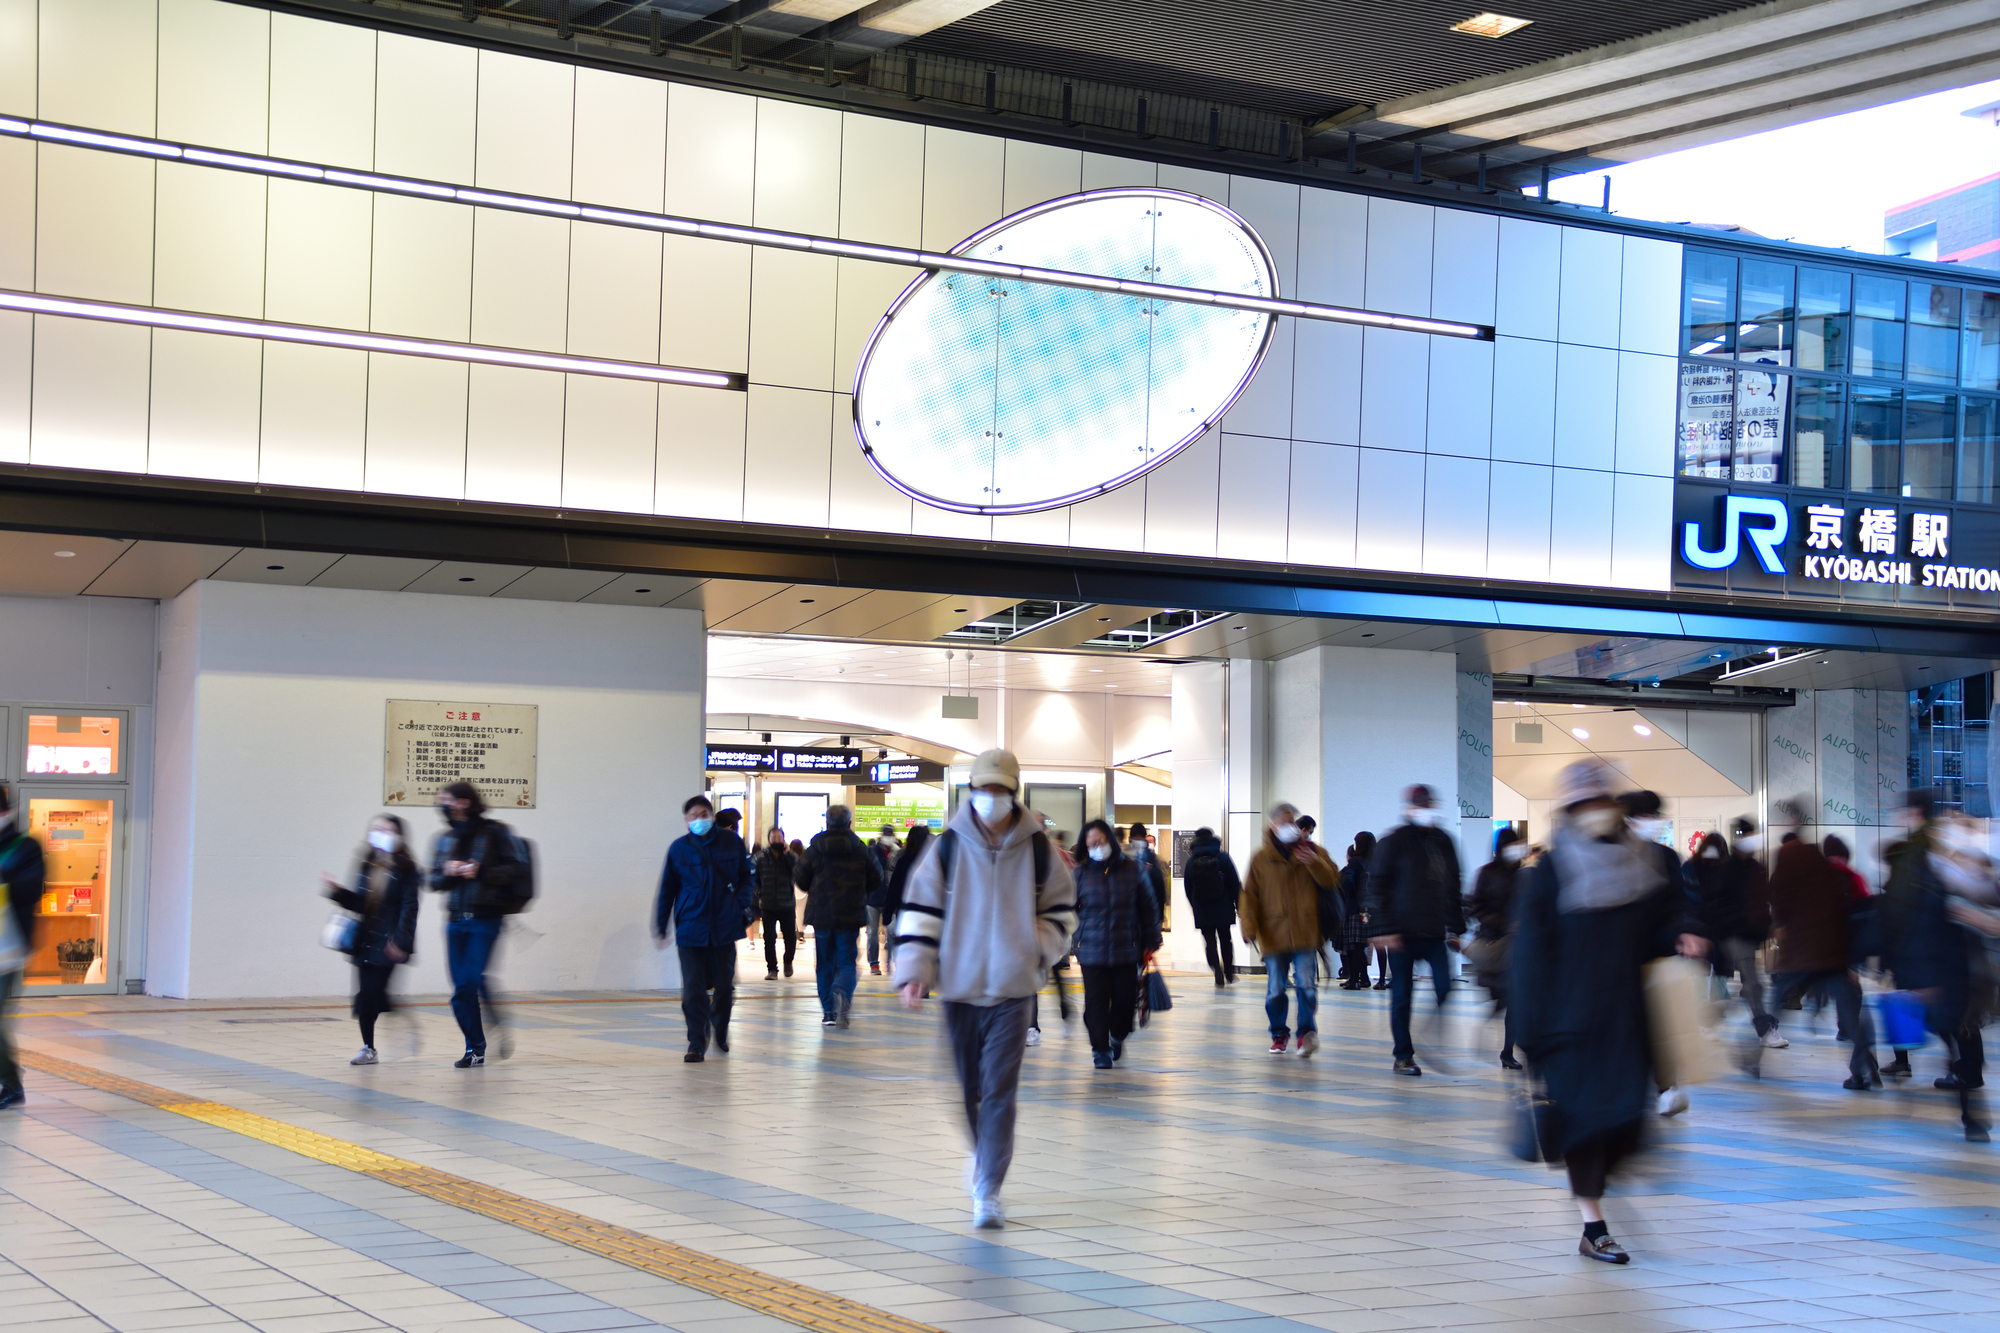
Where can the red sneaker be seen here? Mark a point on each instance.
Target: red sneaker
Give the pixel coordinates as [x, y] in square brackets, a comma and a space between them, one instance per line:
[1278, 1045]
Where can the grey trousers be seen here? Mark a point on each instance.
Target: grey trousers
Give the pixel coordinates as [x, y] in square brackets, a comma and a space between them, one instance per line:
[1740, 955]
[987, 1042]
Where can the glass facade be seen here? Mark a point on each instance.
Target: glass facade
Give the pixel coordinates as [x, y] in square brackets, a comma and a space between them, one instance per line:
[1807, 375]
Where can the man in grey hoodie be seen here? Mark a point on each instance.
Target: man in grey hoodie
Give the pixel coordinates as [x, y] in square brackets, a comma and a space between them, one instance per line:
[986, 913]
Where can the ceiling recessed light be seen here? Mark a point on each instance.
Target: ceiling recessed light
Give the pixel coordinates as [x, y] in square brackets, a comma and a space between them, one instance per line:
[465, 578]
[1642, 729]
[1097, 671]
[1579, 733]
[1491, 25]
[892, 652]
[1239, 627]
[642, 590]
[64, 555]
[1104, 620]
[274, 566]
[805, 601]
[960, 610]
[1368, 636]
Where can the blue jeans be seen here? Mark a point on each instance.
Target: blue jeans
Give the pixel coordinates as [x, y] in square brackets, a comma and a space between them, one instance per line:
[1304, 969]
[468, 947]
[1402, 963]
[834, 966]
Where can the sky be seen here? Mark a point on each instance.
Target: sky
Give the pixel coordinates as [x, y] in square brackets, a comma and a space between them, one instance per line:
[1827, 182]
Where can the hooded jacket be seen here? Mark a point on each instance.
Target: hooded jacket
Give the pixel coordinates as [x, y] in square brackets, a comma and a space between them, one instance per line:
[1280, 904]
[839, 874]
[1211, 884]
[990, 935]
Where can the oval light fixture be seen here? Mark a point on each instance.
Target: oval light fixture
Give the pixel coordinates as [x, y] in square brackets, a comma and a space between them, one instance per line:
[1642, 728]
[990, 396]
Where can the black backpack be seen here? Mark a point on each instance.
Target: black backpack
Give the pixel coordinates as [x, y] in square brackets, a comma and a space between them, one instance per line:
[513, 898]
[1204, 876]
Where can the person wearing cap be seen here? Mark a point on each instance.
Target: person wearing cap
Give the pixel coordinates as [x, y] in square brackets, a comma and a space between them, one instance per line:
[1590, 915]
[986, 913]
[1415, 911]
[1279, 914]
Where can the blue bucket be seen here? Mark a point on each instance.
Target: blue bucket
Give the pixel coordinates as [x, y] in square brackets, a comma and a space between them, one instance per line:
[1902, 1019]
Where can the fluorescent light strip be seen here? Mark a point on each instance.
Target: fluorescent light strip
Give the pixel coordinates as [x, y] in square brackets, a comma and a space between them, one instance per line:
[235, 327]
[935, 260]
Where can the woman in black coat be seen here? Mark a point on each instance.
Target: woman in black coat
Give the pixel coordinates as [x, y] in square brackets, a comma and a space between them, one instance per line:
[1117, 925]
[1354, 928]
[384, 897]
[1492, 907]
[1589, 916]
[775, 866]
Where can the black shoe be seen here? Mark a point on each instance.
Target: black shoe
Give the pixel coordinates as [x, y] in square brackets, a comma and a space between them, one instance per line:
[1408, 1067]
[722, 1041]
[1898, 1067]
[1949, 1083]
[1853, 1084]
[1509, 1062]
[11, 1098]
[788, 969]
[470, 1060]
[1604, 1250]
[1100, 1059]
[1974, 1132]
[1219, 981]
[841, 1005]
[1383, 984]
[770, 974]
[693, 1058]
[1117, 1049]
[826, 1020]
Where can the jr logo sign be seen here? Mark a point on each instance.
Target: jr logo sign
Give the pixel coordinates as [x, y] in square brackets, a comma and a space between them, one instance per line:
[1762, 519]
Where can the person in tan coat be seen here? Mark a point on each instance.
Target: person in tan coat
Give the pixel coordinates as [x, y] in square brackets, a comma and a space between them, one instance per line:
[1279, 913]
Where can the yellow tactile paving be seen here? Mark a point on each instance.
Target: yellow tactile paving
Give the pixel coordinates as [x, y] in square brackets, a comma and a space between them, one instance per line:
[789, 1301]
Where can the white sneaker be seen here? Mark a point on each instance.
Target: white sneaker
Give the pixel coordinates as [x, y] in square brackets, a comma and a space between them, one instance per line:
[365, 1057]
[1673, 1101]
[1773, 1042]
[1034, 1036]
[988, 1215]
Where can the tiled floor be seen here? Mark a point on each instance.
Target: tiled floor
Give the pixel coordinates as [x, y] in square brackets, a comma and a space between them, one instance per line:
[1208, 1185]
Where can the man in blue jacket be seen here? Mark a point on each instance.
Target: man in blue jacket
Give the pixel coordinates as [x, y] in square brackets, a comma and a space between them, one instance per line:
[705, 903]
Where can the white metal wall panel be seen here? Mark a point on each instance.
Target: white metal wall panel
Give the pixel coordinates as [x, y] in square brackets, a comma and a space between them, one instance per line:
[962, 177]
[20, 51]
[321, 246]
[315, 418]
[1047, 528]
[1461, 398]
[520, 282]
[1465, 264]
[1517, 536]
[1586, 407]
[322, 92]
[1192, 180]
[1389, 517]
[1266, 405]
[1333, 247]
[1650, 302]
[928, 522]
[787, 457]
[1528, 280]
[93, 225]
[699, 472]
[608, 444]
[1116, 521]
[614, 275]
[792, 318]
[416, 426]
[426, 108]
[1642, 509]
[421, 271]
[514, 435]
[859, 499]
[1181, 498]
[92, 382]
[1455, 510]
[865, 291]
[620, 153]
[1399, 256]
[1580, 545]
[214, 74]
[1325, 495]
[1035, 172]
[1592, 266]
[98, 63]
[711, 153]
[1395, 389]
[17, 378]
[1647, 403]
[1524, 400]
[705, 304]
[17, 213]
[206, 405]
[1253, 504]
[525, 111]
[209, 232]
[1101, 171]
[1272, 208]
[1326, 383]
[881, 180]
[798, 167]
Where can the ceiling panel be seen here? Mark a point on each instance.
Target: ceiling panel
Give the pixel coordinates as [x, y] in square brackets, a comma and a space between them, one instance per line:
[719, 599]
[29, 563]
[462, 579]
[786, 609]
[255, 565]
[373, 573]
[941, 617]
[860, 617]
[159, 569]
[1082, 625]
[557, 585]
[645, 590]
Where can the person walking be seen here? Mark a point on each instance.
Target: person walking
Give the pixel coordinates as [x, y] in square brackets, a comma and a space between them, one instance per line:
[482, 870]
[1279, 914]
[886, 850]
[1810, 909]
[1731, 903]
[1493, 890]
[705, 906]
[1590, 915]
[23, 870]
[1937, 880]
[776, 901]
[387, 885]
[1212, 889]
[1415, 911]
[1645, 818]
[1139, 846]
[839, 875]
[1117, 926]
[986, 914]
[1354, 926]
[898, 882]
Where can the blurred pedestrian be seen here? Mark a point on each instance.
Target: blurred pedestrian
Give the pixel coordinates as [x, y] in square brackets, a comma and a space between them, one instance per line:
[1280, 915]
[777, 900]
[387, 885]
[1139, 846]
[1117, 928]
[1493, 890]
[1811, 905]
[1415, 911]
[23, 870]
[1213, 889]
[1591, 914]
[1354, 925]
[705, 905]
[839, 875]
[484, 873]
[886, 850]
[1946, 890]
[1730, 900]
[1645, 816]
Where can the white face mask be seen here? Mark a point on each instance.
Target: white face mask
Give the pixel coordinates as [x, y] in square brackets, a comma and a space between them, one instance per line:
[989, 806]
[1649, 828]
[1285, 833]
[1423, 818]
[1711, 854]
[1514, 853]
[382, 840]
[1750, 844]
[1600, 823]
[1100, 853]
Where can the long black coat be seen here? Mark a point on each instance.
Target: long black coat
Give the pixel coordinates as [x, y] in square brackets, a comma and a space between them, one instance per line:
[1212, 886]
[1579, 1004]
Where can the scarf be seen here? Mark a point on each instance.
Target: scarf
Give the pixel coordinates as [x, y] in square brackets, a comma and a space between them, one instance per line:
[1597, 876]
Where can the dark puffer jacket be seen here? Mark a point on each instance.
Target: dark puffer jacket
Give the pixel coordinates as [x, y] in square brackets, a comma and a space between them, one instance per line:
[776, 869]
[1211, 884]
[1414, 886]
[838, 873]
[1117, 921]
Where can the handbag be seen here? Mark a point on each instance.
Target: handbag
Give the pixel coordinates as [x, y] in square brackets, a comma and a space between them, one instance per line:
[1487, 955]
[1152, 991]
[1903, 1027]
[1535, 1131]
[339, 931]
[1676, 1004]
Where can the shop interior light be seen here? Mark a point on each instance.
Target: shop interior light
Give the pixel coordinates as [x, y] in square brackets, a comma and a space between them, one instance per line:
[1491, 25]
[935, 261]
[1642, 728]
[1579, 733]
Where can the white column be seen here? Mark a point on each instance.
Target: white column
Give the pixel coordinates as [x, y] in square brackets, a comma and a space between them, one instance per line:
[1201, 778]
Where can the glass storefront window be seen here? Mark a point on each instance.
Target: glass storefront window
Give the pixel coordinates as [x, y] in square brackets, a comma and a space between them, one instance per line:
[73, 925]
[1708, 307]
[1761, 400]
[1708, 399]
[1817, 457]
[1933, 333]
[1823, 310]
[1982, 340]
[1764, 326]
[1930, 429]
[1874, 440]
[1878, 327]
[72, 744]
[1979, 457]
